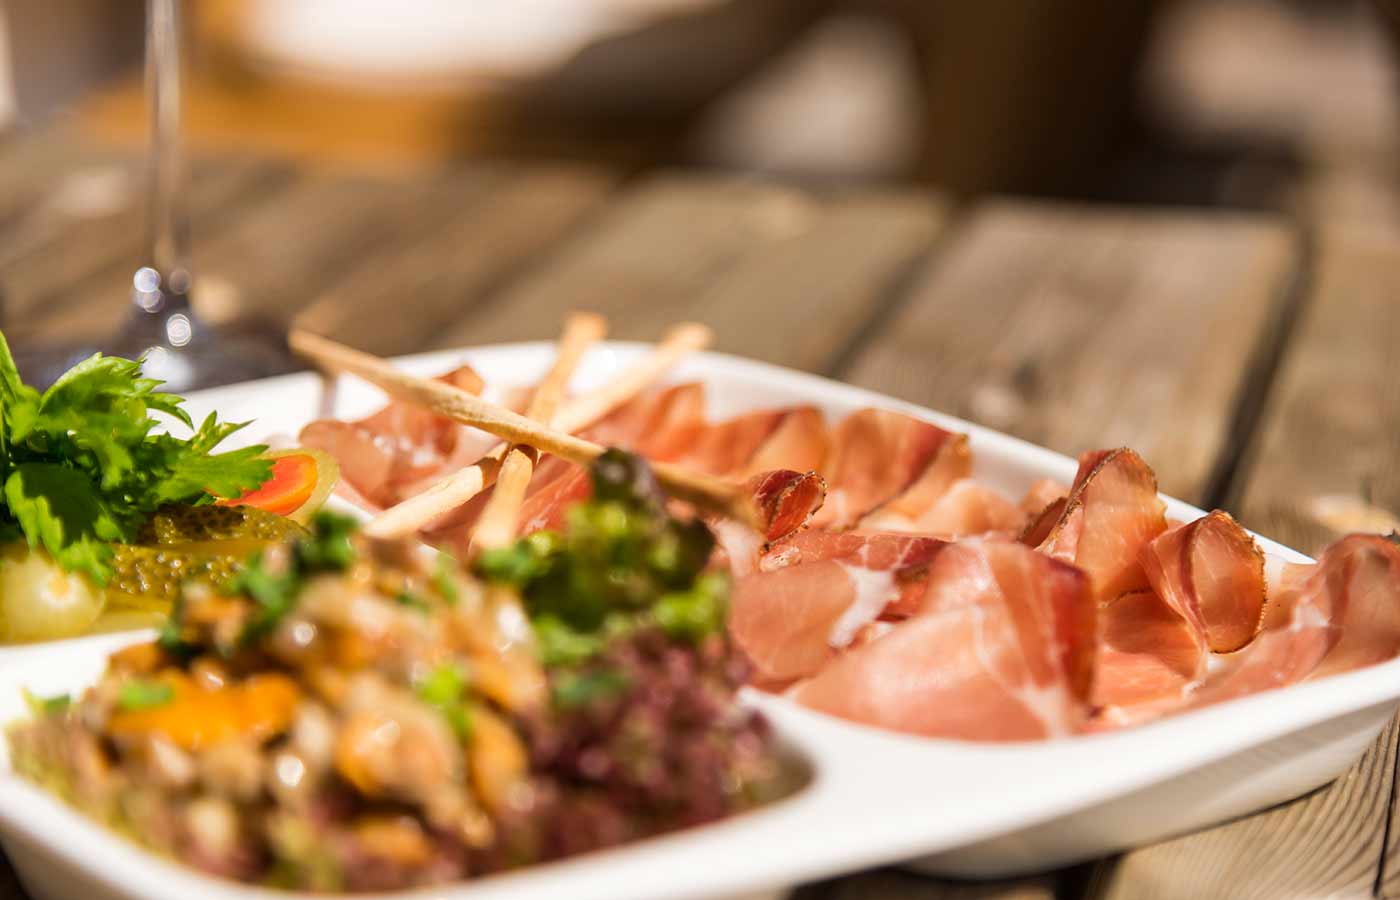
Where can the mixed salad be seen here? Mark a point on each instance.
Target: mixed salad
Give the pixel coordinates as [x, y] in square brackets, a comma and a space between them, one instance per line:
[341, 713]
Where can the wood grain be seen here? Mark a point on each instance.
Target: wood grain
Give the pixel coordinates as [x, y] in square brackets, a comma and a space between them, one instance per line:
[891, 884]
[1331, 428]
[59, 264]
[274, 253]
[1077, 328]
[781, 274]
[446, 270]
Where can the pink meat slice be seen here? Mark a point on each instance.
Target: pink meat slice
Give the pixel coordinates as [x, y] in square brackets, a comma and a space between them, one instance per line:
[1147, 652]
[385, 456]
[1002, 650]
[875, 456]
[798, 443]
[1340, 614]
[965, 509]
[923, 500]
[662, 423]
[1212, 574]
[726, 447]
[1112, 512]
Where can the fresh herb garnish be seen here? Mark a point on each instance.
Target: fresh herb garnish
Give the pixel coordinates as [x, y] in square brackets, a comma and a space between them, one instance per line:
[444, 579]
[444, 689]
[80, 467]
[622, 562]
[576, 689]
[46, 706]
[138, 694]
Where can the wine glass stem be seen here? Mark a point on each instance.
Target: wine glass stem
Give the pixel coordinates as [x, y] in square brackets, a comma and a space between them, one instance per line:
[165, 265]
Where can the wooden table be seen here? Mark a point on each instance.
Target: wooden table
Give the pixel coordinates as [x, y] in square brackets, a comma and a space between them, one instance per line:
[1249, 358]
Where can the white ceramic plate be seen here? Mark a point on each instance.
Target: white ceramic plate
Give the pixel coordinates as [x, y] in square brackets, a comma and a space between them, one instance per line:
[969, 809]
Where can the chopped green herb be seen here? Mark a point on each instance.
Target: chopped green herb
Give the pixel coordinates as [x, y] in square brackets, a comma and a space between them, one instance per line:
[576, 689]
[445, 581]
[138, 694]
[46, 706]
[623, 561]
[444, 688]
[81, 468]
[329, 548]
[411, 600]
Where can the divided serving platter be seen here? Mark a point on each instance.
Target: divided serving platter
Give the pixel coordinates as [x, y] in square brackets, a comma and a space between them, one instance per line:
[956, 808]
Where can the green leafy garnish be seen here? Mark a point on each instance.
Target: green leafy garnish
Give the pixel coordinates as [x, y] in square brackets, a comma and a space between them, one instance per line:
[81, 468]
[577, 689]
[139, 694]
[444, 688]
[623, 562]
[46, 706]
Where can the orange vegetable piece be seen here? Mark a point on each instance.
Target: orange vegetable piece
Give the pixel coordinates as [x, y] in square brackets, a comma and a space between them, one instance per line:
[197, 717]
[291, 484]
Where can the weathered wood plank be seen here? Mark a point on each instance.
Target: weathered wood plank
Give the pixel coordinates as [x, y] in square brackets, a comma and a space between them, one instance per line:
[447, 269]
[780, 273]
[57, 259]
[1331, 431]
[1076, 329]
[891, 884]
[274, 254]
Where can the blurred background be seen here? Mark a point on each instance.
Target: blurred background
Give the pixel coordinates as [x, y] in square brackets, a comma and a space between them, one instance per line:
[1273, 104]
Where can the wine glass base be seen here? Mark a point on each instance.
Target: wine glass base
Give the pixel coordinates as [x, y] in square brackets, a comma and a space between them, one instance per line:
[210, 359]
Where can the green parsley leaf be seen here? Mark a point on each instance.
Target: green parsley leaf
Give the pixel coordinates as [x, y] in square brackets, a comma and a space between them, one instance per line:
[59, 509]
[139, 694]
[574, 689]
[444, 689]
[80, 466]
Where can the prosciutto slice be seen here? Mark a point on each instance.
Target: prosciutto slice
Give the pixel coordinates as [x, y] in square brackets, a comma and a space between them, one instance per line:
[1341, 614]
[793, 616]
[660, 424]
[1212, 574]
[1112, 512]
[951, 466]
[1002, 650]
[1147, 653]
[395, 452]
[875, 455]
[798, 443]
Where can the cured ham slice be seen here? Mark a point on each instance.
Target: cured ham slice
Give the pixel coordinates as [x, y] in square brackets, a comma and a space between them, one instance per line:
[951, 466]
[1342, 614]
[1003, 650]
[786, 500]
[875, 455]
[966, 508]
[790, 619]
[873, 550]
[384, 456]
[1211, 572]
[1112, 512]
[798, 443]
[728, 446]
[1041, 494]
[1147, 652]
[659, 424]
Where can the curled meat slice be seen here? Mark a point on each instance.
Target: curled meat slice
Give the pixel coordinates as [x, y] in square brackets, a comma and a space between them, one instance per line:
[966, 508]
[1211, 572]
[726, 447]
[386, 456]
[659, 424]
[1112, 512]
[786, 500]
[799, 443]
[950, 467]
[875, 456]
[1147, 652]
[1340, 614]
[874, 550]
[1041, 494]
[1003, 650]
[791, 621]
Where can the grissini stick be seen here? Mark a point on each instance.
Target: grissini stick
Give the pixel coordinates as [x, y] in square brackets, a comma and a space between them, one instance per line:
[574, 414]
[496, 527]
[708, 492]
